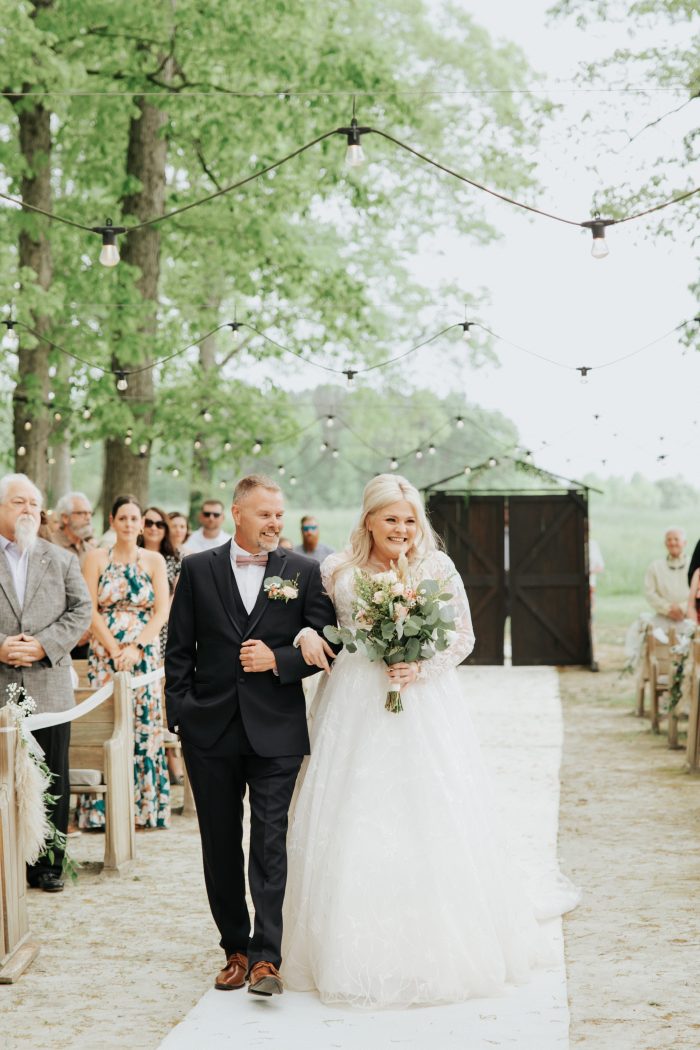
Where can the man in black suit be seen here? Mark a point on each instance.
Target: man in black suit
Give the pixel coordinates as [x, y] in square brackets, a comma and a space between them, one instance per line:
[233, 693]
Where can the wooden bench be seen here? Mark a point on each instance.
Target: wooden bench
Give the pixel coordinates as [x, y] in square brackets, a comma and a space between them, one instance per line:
[693, 742]
[103, 740]
[660, 673]
[16, 949]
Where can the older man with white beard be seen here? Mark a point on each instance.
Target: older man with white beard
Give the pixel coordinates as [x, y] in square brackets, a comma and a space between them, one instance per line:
[44, 609]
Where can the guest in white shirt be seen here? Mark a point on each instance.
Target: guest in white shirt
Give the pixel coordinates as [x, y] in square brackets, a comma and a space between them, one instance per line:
[210, 533]
[666, 581]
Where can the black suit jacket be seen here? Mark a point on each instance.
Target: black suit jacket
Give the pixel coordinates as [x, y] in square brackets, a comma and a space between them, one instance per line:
[205, 682]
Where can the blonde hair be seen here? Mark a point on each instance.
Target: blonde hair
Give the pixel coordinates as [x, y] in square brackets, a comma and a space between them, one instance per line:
[381, 491]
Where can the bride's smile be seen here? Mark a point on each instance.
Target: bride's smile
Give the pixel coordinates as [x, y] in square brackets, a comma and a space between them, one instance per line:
[393, 530]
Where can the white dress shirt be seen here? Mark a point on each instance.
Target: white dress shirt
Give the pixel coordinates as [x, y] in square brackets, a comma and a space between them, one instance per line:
[18, 562]
[248, 577]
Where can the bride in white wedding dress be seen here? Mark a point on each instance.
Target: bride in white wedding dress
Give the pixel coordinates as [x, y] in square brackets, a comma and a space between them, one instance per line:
[399, 891]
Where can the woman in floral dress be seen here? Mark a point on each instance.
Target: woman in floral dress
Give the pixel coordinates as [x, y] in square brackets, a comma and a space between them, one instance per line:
[129, 590]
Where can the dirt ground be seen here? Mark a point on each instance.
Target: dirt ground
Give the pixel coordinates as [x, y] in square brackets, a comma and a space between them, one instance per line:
[124, 958]
[629, 836]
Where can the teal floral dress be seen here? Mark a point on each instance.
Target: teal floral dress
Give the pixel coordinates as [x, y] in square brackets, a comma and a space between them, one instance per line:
[125, 600]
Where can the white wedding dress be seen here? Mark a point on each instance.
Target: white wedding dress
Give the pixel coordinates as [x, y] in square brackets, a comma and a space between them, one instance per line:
[399, 891]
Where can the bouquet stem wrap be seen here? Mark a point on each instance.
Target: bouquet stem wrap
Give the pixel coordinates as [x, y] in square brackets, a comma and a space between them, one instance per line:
[393, 699]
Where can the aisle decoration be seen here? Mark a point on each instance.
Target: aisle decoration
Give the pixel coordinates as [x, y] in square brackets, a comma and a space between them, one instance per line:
[398, 620]
[38, 833]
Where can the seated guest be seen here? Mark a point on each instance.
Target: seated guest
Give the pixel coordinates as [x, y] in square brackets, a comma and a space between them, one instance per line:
[665, 582]
[44, 609]
[210, 532]
[179, 529]
[310, 540]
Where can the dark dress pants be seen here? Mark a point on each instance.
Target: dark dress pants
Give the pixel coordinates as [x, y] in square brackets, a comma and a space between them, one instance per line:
[219, 776]
[55, 741]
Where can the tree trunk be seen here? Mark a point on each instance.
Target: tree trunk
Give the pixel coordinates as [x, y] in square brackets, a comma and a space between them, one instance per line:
[202, 483]
[61, 472]
[30, 395]
[126, 466]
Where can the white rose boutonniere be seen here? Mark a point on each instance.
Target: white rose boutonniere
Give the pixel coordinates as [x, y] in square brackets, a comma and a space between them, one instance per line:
[280, 590]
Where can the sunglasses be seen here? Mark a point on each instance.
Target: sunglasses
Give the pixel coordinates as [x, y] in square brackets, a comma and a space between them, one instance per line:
[212, 513]
[151, 524]
[309, 528]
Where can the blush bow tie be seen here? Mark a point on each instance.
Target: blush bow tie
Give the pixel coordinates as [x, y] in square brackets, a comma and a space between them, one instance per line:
[251, 559]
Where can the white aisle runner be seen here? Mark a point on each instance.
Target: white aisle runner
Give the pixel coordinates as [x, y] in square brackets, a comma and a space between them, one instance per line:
[517, 713]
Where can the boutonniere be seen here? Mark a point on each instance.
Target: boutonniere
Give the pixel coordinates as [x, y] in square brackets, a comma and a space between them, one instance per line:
[280, 590]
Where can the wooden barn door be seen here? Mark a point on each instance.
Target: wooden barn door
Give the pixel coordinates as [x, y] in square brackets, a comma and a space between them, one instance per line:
[473, 531]
[550, 601]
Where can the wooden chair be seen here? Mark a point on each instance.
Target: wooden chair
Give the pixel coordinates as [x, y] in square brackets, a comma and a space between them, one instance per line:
[693, 742]
[644, 674]
[103, 740]
[17, 950]
[660, 673]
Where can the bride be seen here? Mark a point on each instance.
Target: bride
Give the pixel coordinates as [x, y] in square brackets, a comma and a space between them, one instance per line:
[398, 890]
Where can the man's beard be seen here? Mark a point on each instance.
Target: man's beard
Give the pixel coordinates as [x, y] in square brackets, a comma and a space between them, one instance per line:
[268, 543]
[26, 531]
[83, 532]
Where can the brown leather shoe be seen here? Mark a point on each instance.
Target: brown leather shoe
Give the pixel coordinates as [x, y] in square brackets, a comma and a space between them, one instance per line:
[233, 974]
[265, 979]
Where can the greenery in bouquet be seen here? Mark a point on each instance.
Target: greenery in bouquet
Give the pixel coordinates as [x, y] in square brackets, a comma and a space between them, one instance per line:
[398, 619]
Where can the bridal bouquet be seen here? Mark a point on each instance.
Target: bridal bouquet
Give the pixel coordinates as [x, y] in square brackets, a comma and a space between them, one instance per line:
[398, 620]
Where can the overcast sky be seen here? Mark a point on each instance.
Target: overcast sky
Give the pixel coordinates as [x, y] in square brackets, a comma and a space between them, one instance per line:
[549, 295]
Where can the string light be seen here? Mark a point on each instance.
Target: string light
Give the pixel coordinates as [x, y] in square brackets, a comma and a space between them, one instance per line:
[51, 396]
[394, 464]
[207, 416]
[466, 325]
[128, 439]
[257, 447]
[431, 450]
[222, 484]
[330, 421]
[599, 249]
[57, 417]
[335, 453]
[72, 460]
[143, 449]
[459, 423]
[323, 447]
[51, 461]
[227, 446]
[350, 373]
[419, 454]
[109, 255]
[281, 470]
[493, 462]
[235, 332]
[467, 470]
[292, 480]
[122, 381]
[197, 444]
[27, 424]
[10, 340]
[86, 444]
[354, 154]
[87, 413]
[52, 371]
[21, 451]
[584, 370]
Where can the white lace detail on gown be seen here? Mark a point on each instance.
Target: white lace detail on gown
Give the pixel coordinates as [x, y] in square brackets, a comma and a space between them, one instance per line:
[399, 890]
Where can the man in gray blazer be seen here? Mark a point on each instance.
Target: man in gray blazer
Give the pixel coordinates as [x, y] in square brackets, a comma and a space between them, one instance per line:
[44, 609]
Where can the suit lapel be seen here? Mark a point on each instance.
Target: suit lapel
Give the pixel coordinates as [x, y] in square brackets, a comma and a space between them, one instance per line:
[226, 585]
[8, 586]
[36, 567]
[275, 567]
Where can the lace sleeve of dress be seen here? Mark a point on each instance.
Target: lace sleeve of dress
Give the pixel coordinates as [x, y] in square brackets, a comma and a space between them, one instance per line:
[328, 567]
[461, 640]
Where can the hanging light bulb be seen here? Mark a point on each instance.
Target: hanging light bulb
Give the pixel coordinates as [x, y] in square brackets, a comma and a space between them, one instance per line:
[227, 446]
[599, 249]
[122, 381]
[222, 484]
[354, 154]
[323, 447]
[52, 461]
[51, 396]
[175, 472]
[207, 416]
[431, 450]
[467, 470]
[528, 457]
[281, 470]
[394, 464]
[72, 460]
[584, 370]
[197, 444]
[330, 421]
[21, 451]
[52, 372]
[27, 424]
[257, 447]
[419, 454]
[128, 439]
[10, 340]
[235, 332]
[459, 423]
[86, 444]
[87, 413]
[57, 417]
[335, 453]
[466, 325]
[350, 373]
[493, 462]
[292, 480]
[143, 449]
[109, 255]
